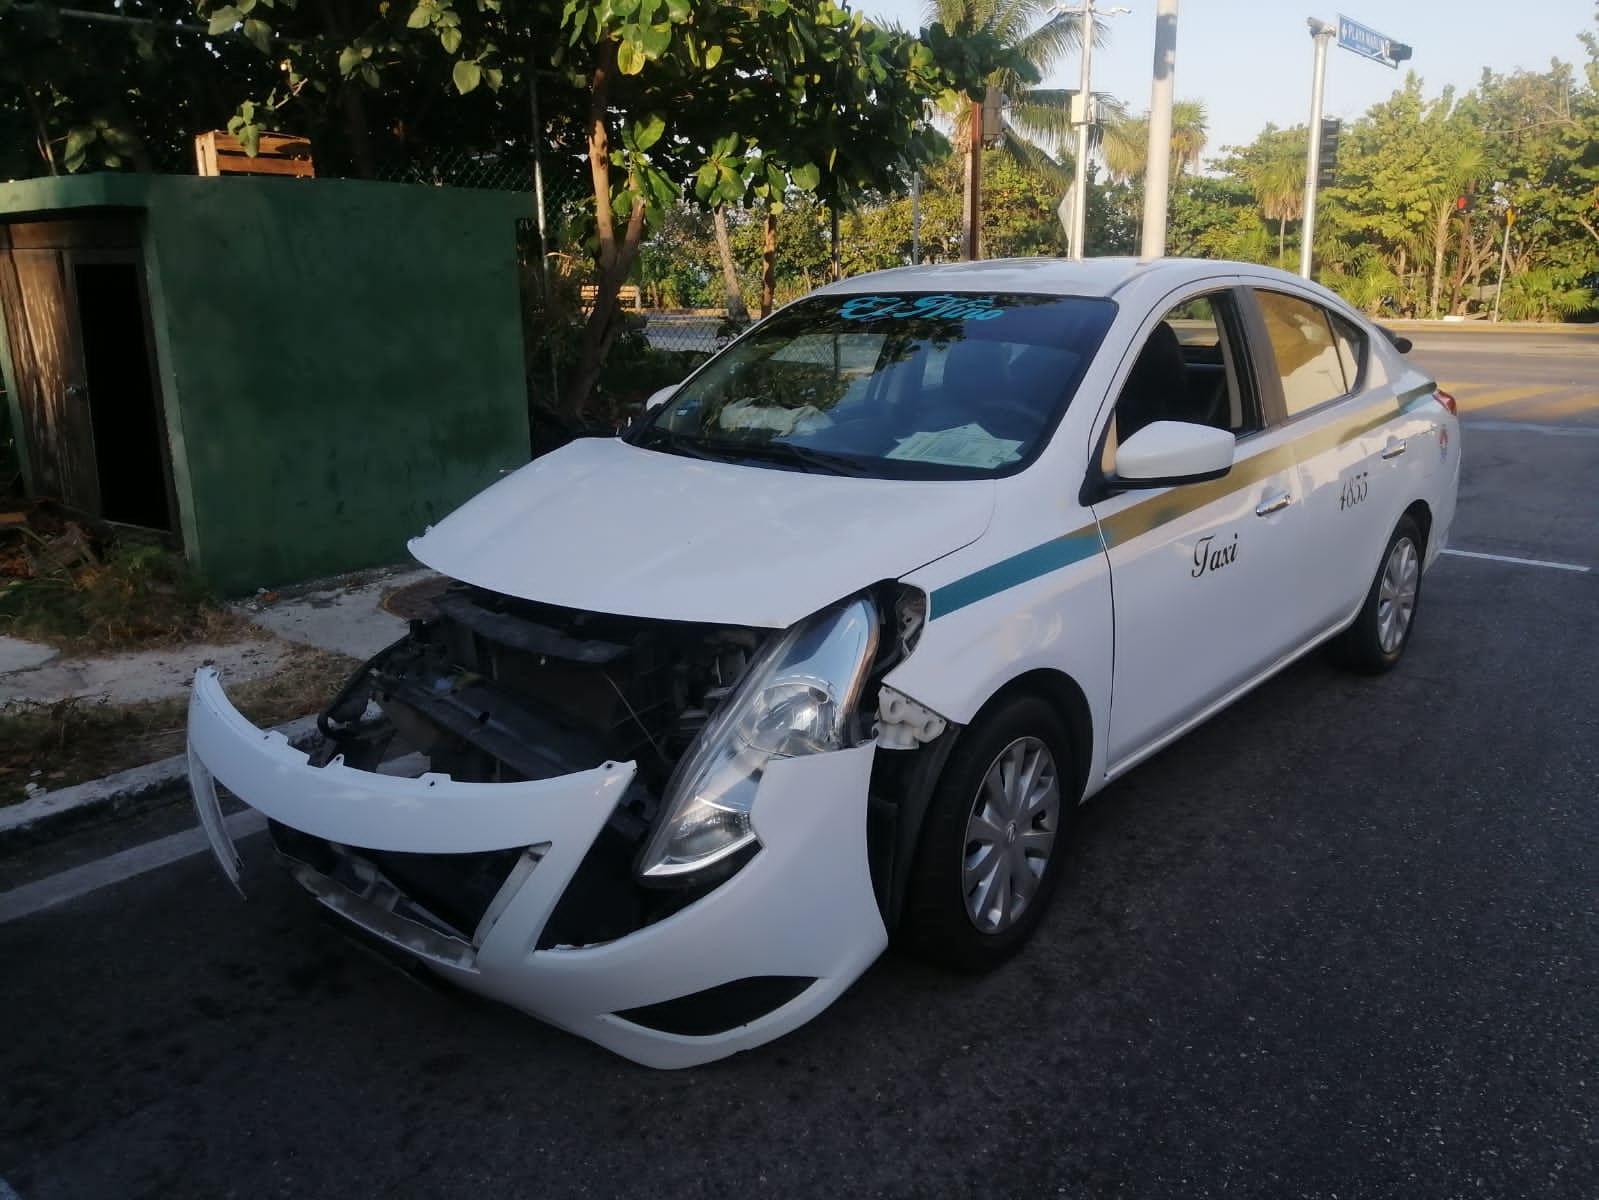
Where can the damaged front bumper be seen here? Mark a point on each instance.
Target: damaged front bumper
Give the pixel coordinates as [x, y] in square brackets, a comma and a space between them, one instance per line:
[745, 962]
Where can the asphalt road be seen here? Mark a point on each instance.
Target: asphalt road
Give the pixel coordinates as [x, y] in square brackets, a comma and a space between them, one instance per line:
[1343, 941]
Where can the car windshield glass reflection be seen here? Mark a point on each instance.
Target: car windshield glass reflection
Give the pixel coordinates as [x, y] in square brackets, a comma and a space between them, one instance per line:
[892, 385]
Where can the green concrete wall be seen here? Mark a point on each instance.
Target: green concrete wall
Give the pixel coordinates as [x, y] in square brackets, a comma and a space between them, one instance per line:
[341, 361]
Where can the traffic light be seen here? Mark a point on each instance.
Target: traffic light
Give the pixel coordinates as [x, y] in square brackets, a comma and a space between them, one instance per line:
[1327, 158]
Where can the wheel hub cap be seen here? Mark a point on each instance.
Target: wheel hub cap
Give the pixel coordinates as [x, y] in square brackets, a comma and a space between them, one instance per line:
[1396, 594]
[1010, 835]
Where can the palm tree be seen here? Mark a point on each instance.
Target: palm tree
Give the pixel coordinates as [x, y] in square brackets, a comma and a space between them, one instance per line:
[1037, 121]
[1279, 187]
[1125, 147]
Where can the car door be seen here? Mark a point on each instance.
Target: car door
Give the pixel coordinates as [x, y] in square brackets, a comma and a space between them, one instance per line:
[1340, 410]
[1201, 573]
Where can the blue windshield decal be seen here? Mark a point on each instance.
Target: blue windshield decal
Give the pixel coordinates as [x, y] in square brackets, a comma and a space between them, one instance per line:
[944, 308]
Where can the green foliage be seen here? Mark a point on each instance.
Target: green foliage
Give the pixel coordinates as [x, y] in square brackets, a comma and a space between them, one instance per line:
[81, 594]
[79, 95]
[1390, 234]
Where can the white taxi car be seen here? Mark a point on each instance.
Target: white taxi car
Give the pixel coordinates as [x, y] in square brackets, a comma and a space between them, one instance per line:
[830, 645]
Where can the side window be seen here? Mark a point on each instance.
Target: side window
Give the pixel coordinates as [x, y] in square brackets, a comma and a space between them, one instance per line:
[1313, 364]
[1188, 370]
[1351, 345]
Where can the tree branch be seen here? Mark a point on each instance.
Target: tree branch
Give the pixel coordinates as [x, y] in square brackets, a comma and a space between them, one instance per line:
[600, 151]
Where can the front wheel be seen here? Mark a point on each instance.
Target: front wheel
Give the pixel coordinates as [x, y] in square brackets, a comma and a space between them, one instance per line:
[990, 853]
[1377, 639]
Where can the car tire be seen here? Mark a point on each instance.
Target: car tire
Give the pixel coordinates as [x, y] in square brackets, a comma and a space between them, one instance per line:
[990, 852]
[1377, 639]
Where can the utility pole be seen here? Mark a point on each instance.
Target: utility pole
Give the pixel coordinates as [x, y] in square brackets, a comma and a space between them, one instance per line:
[1157, 168]
[1323, 34]
[1080, 170]
[1084, 116]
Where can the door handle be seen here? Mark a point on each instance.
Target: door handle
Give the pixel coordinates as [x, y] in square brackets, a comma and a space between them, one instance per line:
[1273, 504]
[1395, 449]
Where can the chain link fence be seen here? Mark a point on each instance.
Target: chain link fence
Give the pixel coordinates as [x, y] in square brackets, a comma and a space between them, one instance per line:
[464, 169]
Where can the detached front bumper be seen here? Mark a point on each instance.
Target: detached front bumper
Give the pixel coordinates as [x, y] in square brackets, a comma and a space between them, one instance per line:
[787, 934]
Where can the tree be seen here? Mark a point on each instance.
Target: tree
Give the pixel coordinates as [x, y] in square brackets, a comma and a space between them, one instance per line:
[1126, 142]
[78, 93]
[1273, 167]
[1035, 128]
[838, 100]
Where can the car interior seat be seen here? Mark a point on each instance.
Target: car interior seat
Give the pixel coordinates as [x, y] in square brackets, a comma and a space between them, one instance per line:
[1157, 387]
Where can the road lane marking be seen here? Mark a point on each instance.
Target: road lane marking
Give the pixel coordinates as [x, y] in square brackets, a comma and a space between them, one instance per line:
[78, 882]
[1471, 401]
[1521, 562]
[1568, 406]
[1532, 427]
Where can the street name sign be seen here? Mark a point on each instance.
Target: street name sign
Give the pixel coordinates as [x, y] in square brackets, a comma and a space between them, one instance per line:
[1368, 43]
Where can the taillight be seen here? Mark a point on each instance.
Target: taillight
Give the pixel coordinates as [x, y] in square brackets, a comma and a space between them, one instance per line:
[1446, 400]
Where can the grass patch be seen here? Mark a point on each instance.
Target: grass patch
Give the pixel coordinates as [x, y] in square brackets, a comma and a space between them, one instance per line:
[89, 592]
[71, 741]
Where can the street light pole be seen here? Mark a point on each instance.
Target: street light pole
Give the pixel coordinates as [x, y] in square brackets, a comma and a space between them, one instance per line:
[1157, 166]
[1323, 34]
[1080, 170]
[1086, 104]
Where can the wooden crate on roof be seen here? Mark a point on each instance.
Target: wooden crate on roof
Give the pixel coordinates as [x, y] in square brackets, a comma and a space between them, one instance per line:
[220, 153]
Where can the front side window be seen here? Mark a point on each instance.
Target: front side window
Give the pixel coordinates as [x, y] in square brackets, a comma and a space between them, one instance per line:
[1310, 361]
[892, 385]
[1186, 371]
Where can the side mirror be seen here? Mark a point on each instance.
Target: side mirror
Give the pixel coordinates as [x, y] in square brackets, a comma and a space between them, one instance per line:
[1398, 340]
[1164, 453]
[661, 397]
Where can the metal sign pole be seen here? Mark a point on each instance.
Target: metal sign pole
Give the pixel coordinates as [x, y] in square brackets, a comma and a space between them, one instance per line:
[1504, 257]
[1323, 35]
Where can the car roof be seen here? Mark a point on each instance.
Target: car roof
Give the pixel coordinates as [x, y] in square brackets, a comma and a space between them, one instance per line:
[1051, 276]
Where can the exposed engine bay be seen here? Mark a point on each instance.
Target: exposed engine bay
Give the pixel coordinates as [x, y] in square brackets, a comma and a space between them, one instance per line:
[497, 689]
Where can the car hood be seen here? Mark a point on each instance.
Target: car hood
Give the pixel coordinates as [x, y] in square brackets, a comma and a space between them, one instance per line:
[605, 526]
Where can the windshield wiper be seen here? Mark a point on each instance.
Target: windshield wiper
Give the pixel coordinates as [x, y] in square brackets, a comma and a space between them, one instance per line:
[653, 437]
[807, 458]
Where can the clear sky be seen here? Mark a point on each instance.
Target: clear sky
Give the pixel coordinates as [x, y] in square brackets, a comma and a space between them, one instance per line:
[1250, 61]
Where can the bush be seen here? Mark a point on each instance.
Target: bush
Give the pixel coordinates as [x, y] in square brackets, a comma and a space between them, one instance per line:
[82, 592]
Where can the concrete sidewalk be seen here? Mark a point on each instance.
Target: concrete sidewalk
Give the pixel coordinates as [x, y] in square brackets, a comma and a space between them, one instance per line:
[355, 614]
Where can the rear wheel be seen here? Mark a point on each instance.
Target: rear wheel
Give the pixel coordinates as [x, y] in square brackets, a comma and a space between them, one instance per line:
[1377, 639]
[990, 853]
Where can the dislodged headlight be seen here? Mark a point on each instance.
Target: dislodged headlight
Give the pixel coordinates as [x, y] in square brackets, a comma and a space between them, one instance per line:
[796, 698]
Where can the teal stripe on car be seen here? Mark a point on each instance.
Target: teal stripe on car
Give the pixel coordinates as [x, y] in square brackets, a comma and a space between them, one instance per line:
[1059, 552]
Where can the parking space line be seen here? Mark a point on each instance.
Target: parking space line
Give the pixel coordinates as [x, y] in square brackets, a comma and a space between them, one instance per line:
[73, 884]
[1520, 562]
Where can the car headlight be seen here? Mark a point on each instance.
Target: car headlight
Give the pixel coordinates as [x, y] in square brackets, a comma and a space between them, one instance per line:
[796, 698]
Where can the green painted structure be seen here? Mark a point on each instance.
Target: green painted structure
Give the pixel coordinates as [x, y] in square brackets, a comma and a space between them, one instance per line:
[337, 363]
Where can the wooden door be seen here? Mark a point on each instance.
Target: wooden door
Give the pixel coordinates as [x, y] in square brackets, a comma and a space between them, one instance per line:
[37, 303]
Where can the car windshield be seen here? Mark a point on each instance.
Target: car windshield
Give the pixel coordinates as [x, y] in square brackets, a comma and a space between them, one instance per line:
[891, 385]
